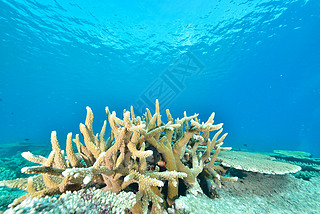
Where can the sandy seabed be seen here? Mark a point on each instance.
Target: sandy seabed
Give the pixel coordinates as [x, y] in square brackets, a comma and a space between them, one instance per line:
[258, 193]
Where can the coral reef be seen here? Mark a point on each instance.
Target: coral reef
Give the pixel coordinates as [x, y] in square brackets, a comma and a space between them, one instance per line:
[9, 170]
[128, 156]
[6, 173]
[7, 195]
[88, 201]
[255, 162]
[295, 154]
[310, 167]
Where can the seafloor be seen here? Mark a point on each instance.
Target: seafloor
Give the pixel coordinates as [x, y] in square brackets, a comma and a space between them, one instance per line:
[259, 193]
[252, 193]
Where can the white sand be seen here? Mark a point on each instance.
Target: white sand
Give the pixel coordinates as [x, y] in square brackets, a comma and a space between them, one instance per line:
[261, 194]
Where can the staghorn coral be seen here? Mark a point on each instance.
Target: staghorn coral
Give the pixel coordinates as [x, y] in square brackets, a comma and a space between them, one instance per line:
[22, 183]
[120, 160]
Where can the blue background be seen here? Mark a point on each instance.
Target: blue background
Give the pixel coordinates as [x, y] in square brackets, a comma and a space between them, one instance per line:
[260, 66]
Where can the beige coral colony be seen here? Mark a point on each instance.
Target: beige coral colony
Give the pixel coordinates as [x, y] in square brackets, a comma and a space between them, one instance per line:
[126, 160]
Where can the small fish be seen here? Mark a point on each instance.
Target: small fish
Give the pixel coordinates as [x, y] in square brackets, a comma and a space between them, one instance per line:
[26, 139]
[161, 163]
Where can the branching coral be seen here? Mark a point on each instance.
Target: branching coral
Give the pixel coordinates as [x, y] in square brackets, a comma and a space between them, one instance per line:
[121, 160]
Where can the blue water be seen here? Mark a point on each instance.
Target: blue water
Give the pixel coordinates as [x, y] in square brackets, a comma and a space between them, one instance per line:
[255, 63]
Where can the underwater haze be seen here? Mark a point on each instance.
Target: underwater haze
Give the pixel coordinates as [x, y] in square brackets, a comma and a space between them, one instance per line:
[256, 64]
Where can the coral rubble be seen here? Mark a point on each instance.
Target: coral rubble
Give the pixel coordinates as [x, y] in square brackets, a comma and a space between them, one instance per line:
[128, 156]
